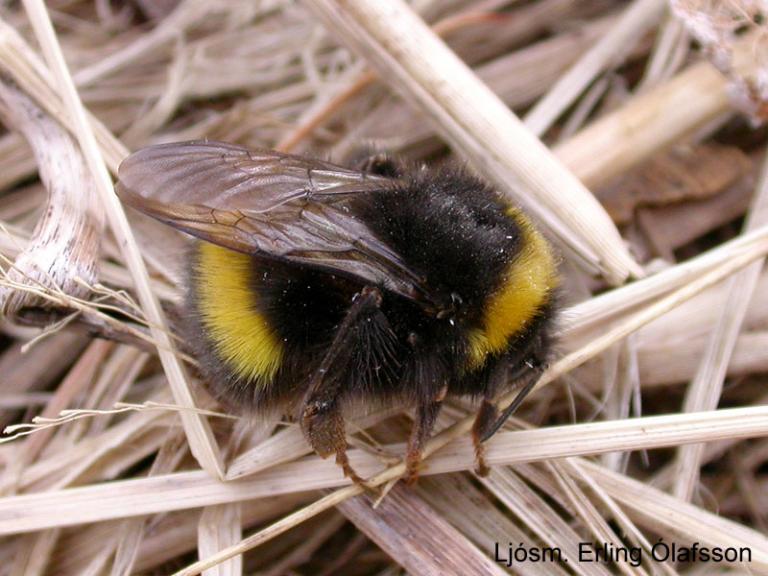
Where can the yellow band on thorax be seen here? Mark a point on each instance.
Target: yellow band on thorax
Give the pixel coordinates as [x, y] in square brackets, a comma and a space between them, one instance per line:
[525, 289]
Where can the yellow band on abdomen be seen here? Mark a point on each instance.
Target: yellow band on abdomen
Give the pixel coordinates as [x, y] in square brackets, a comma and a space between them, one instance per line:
[228, 305]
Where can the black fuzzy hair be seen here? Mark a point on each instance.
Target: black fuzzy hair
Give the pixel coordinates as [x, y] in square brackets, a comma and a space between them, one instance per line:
[449, 227]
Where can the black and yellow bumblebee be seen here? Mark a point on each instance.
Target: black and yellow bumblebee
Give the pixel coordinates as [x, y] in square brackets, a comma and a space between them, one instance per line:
[316, 287]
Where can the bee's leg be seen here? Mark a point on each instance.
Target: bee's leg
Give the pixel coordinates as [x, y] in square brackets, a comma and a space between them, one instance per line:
[489, 418]
[321, 418]
[426, 415]
[487, 415]
[489, 412]
[324, 429]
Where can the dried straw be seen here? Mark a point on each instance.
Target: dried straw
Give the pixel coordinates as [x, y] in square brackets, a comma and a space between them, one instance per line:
[109, 474]
[202, 442]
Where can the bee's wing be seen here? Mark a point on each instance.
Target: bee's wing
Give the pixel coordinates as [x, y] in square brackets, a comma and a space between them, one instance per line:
[266, 202]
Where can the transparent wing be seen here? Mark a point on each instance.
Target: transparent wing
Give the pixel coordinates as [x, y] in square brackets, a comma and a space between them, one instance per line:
[269, 203]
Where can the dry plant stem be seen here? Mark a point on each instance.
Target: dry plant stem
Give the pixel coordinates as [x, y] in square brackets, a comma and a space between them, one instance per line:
[33, 554]
[274, 530]
[532, 511]
[595, 312]
[57, 471]
[289, 444]
[114, 383]
[668, 53]
[150, 122]
[651, 312]
[39, 511]
[458, 499]
[25, 67]
[131, 532]
[528, 446]
[360, 81]
[651, 121]
[714, 29]
[318, 535]
[76, 380]
[402, 48]
[671, 363]
[706, 387]
[609, 51]
[199, 434]
[675, 518]
[65, 244]
[518, 78]
[584, 108]
[398, 525]
[220, 527]
[117, 461]
[18, 164]
[183, 490]
[39, 366]
[350, 551]
[326, 110]
[34, 78]
[185, 15]
[92, 314]
[157, 9]
[591, 517]
[12, 243]
[629, 528]
[619, 381]
[175, 534]
[16, 401]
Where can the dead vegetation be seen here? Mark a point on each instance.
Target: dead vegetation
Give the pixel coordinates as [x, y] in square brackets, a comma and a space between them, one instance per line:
[650, 423]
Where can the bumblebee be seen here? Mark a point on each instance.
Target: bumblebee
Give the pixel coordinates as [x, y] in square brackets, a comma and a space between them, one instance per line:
[315, 287]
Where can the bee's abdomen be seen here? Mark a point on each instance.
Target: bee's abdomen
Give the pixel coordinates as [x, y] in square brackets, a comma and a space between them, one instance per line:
[259, 326]
[235, 331]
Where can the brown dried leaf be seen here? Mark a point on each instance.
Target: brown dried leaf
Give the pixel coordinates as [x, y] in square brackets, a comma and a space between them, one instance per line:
[683, 173]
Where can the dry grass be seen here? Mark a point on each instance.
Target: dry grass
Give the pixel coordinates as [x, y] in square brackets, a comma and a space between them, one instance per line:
[118, 463]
